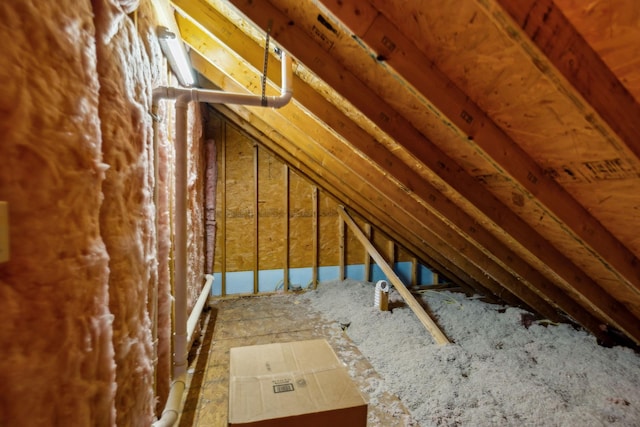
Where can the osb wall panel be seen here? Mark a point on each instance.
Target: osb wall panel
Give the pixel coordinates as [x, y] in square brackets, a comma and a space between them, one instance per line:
[57, 363]
[355, 251]
[240, 191]
[219, 217]
[235, 161]
[300, 221]
[236, 165]
[402, 255]
[328, 239]
[271, 211]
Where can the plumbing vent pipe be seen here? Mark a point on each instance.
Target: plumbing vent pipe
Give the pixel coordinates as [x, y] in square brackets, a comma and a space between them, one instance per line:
[183, 96]
[381, 298]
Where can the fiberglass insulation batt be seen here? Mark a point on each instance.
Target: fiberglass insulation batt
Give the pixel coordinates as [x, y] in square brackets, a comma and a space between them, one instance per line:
[56, 364]
[127, 215]
[88, 244]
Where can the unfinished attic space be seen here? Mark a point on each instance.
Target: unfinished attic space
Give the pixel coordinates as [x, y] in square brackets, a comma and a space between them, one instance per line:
[340, 213]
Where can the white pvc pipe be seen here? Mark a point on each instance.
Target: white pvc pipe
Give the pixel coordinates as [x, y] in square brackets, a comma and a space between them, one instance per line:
[183, 96]
[197, 309]
[171, 410]
[221, 97]
[180, 251]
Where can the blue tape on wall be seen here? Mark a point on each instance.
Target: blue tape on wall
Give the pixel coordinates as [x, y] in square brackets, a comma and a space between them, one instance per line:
[270, 280]
[328, 273]
[241, 282]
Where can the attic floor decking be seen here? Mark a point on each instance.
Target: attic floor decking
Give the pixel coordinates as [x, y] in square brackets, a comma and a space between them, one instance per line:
[262, 320]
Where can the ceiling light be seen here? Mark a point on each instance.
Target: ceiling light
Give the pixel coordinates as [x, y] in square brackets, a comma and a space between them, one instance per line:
[176, 54]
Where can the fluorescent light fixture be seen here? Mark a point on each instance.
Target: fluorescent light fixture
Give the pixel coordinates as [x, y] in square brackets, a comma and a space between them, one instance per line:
[176, 54]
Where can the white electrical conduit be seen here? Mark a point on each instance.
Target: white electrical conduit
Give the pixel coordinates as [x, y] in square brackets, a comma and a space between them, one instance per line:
[183, 96]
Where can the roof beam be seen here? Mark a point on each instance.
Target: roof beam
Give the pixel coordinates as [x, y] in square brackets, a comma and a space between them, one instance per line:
[297, 40]
[315, 162]
[515, 282]
[546, 35]
[413, 66]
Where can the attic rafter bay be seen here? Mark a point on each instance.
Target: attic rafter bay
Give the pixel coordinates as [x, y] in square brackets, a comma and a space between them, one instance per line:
[516, 286]
[332, 167]
[295, 39]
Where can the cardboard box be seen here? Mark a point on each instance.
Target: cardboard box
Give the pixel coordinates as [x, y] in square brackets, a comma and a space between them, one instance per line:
[292, 384]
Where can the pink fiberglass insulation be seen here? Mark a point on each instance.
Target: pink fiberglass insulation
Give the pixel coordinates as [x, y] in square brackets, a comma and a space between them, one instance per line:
[163, 368]
[165, 158]
[195, 214]
[57, 365]
[127, 217]
[211, 177]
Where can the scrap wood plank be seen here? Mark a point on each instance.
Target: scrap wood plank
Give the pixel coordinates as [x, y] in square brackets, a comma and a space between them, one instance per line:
[439, 337]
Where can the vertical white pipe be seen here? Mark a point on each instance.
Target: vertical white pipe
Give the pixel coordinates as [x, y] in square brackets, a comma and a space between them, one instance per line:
[183, 97]
[180, 251]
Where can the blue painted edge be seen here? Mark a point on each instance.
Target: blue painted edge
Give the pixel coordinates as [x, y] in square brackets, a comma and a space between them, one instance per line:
[241, 282]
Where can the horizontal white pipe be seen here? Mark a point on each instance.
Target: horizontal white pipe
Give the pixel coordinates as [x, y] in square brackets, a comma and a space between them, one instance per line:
[172, 408]
[197, 309]
[221, 97]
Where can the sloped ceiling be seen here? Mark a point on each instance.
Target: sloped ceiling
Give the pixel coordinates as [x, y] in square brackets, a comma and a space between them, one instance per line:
[499, 140]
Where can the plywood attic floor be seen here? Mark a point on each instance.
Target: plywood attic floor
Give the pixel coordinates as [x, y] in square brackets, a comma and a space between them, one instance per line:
[270, 319]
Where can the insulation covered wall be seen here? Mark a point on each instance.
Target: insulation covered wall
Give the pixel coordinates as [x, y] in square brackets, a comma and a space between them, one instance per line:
[127, 214]
[166, 159]
[57, 366]
[87, 249]
[195, 206]
[130, 65]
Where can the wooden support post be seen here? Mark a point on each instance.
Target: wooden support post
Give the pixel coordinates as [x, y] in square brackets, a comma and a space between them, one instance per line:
[285, 279]
[429, 324]
[315, 237]
[367, 257]
[256, 222]
[414, 271]
[341, 243]
[223, 211]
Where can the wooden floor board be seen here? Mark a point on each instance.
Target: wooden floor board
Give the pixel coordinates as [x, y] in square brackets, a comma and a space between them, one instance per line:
[270, 319]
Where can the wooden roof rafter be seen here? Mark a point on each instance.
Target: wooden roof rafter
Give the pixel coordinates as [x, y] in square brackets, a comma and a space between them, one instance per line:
[326, 165]
[297, 41]
[458, 180]
[309, 166]
[529, 178]
[516, 284]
